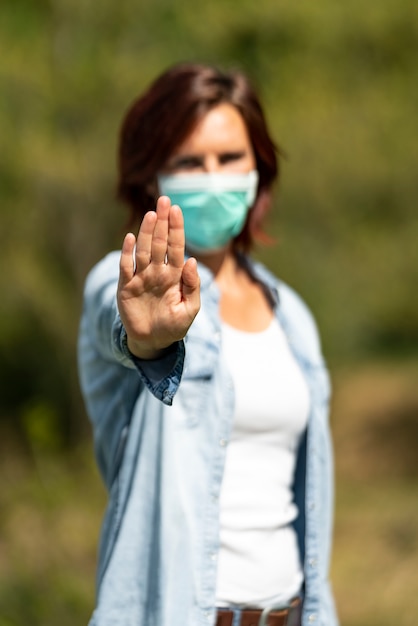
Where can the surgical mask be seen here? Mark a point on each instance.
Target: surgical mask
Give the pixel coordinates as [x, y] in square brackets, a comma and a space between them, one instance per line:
[214, 205]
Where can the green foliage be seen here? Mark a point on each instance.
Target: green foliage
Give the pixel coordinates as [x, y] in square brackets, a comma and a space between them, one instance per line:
[339, 84]
[40, 423]
[339, 81]
[51, 507]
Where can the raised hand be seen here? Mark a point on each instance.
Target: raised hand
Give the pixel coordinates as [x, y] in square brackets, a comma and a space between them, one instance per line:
[158, 294]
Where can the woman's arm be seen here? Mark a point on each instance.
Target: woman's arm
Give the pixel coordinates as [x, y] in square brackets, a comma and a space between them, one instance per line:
[132, 325]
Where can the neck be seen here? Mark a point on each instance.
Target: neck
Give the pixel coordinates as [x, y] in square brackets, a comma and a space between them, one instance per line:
[219, 263]
[243, 303]
[230, 276]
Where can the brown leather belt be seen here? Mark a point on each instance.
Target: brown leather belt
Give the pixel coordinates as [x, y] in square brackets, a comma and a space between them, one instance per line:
[251, 617]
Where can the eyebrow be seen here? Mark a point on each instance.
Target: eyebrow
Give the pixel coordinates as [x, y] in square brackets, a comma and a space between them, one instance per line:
[184, 158]
[198, 158]
[233, 153]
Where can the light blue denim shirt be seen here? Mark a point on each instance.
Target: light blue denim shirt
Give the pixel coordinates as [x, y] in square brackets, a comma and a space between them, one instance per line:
[161, 433]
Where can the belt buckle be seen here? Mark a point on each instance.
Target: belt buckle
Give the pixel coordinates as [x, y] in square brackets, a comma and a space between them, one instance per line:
[291, 618]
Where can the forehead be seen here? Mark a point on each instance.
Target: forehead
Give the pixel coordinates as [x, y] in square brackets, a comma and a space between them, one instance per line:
[221, 128]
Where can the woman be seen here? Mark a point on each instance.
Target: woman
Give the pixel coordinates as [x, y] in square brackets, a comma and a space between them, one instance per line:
[204, 380]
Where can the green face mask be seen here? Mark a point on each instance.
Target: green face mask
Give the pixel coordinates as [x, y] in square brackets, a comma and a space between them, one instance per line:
[214, 206]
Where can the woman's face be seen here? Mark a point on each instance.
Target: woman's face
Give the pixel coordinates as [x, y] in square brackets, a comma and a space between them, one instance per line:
[219, 143]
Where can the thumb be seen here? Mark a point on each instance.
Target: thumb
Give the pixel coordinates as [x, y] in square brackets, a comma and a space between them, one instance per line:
[126, 263]
[191, 281]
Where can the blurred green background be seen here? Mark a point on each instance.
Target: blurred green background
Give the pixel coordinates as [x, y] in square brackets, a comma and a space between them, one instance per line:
[340, 86]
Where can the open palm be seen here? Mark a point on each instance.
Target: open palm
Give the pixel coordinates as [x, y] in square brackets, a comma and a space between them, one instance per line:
[158, 293]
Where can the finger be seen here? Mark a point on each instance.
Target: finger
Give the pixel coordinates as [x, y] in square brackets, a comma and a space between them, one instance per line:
[144, 241]
[126, 264]
[160, 235]
[175, 242]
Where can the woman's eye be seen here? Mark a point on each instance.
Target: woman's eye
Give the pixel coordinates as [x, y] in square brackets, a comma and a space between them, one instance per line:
[231, 156]
[187, 163]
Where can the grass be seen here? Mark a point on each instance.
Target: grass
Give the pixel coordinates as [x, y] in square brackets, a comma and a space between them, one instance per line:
[375, 430]
[51, 510]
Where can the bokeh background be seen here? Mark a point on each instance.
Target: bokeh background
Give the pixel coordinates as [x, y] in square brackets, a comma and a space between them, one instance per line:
[339, 82]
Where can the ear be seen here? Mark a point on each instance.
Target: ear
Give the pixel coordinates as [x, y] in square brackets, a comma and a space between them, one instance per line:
[258, 214]
[263, 200]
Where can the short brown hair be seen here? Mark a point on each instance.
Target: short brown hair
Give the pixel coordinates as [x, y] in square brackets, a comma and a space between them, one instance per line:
[161, 119]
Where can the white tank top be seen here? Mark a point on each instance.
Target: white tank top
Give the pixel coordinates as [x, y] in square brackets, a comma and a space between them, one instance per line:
[258, 562]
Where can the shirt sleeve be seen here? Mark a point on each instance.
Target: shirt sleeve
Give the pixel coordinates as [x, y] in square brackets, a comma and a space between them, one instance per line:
[112, 380]
[102, 324]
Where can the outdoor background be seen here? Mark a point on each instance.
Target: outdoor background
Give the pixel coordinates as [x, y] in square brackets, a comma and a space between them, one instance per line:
[340, 86]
